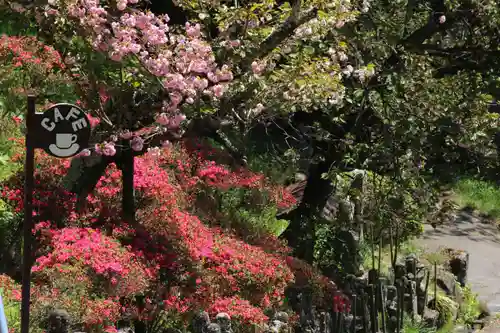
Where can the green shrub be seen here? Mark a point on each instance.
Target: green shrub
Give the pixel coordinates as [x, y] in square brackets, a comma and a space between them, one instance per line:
[9, 235]
[16, 24]
[246, 211]
[12, 307]
[470, 309]
[8, 129]
[243, 211]
[264, 221]
[12, 313]
[411, 326]
[446, 307]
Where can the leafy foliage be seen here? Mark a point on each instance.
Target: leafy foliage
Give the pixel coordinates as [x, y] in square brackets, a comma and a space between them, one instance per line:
[470, 308]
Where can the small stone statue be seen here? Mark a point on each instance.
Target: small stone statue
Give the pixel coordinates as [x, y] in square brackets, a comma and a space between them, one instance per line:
[224, 321]
[277, 326]
[399, 271]
[125, 330]
[281, 316]
[200, 322]
[214, 328]
[59, 322]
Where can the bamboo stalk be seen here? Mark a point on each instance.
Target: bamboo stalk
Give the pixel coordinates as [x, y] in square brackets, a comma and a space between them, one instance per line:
[382, 302]
[378, 283]
[373, 309]
[365, 315]
[335, 319]
[372, 246]
[435, 286]
[341, 323]
[398, 307]
[402, 312]
[354, 313]
[414, 268]
[412, 314]
[426, 291]
[380, 253]
[391, 247]
[396, 247]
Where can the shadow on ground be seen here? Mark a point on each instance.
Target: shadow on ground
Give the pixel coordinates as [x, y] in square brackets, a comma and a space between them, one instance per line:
[468, 226]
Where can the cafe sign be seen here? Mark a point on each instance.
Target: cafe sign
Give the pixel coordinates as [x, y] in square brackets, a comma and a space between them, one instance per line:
[62, 131]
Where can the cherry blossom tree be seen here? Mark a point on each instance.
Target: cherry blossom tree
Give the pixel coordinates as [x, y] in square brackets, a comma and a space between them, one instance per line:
[137, 71]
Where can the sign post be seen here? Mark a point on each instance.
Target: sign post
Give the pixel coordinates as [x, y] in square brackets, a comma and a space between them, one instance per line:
[29, 168]
[62, 131]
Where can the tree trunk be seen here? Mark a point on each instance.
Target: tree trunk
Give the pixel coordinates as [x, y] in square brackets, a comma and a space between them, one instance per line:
[300, 234]
[128, 195]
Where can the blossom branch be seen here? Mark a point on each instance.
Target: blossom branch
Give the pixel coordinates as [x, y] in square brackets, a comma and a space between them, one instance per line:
[281, 33]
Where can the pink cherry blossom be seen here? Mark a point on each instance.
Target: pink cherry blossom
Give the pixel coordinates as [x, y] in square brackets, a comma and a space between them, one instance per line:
[106, 149]
[137, 143]
[162, 119]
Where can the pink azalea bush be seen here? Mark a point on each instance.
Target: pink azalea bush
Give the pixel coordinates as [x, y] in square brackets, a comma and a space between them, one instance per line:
[92, 263]
[28, 65]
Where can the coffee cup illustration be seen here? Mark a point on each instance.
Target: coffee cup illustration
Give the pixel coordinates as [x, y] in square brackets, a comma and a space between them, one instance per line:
[65, 140]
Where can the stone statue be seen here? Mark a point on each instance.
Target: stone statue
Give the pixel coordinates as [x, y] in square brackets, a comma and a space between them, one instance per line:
[59, 322]
[224, 321]
[214, 328]
[200, 322]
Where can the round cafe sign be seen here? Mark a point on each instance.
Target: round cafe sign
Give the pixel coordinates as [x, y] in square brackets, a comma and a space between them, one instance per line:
[63, 130]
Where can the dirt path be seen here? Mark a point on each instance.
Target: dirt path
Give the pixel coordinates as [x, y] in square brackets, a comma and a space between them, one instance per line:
[482, 241]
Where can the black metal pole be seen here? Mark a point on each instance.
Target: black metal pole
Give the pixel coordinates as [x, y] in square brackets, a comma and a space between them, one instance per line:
[29, 168]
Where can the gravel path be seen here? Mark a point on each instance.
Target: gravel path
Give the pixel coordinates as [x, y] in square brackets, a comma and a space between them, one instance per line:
[482, 241]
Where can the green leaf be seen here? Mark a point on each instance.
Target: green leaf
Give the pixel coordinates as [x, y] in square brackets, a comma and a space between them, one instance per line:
[309, 50]
[358, 94]
[4, 159]
[207, 110]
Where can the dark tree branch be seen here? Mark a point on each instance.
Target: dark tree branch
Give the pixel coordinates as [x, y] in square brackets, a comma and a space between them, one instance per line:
[483, 66]
[419, 36]
[457, 53]
[283, 32]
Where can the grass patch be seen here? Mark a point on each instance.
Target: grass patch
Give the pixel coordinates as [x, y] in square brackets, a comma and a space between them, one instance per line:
[479, 195]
